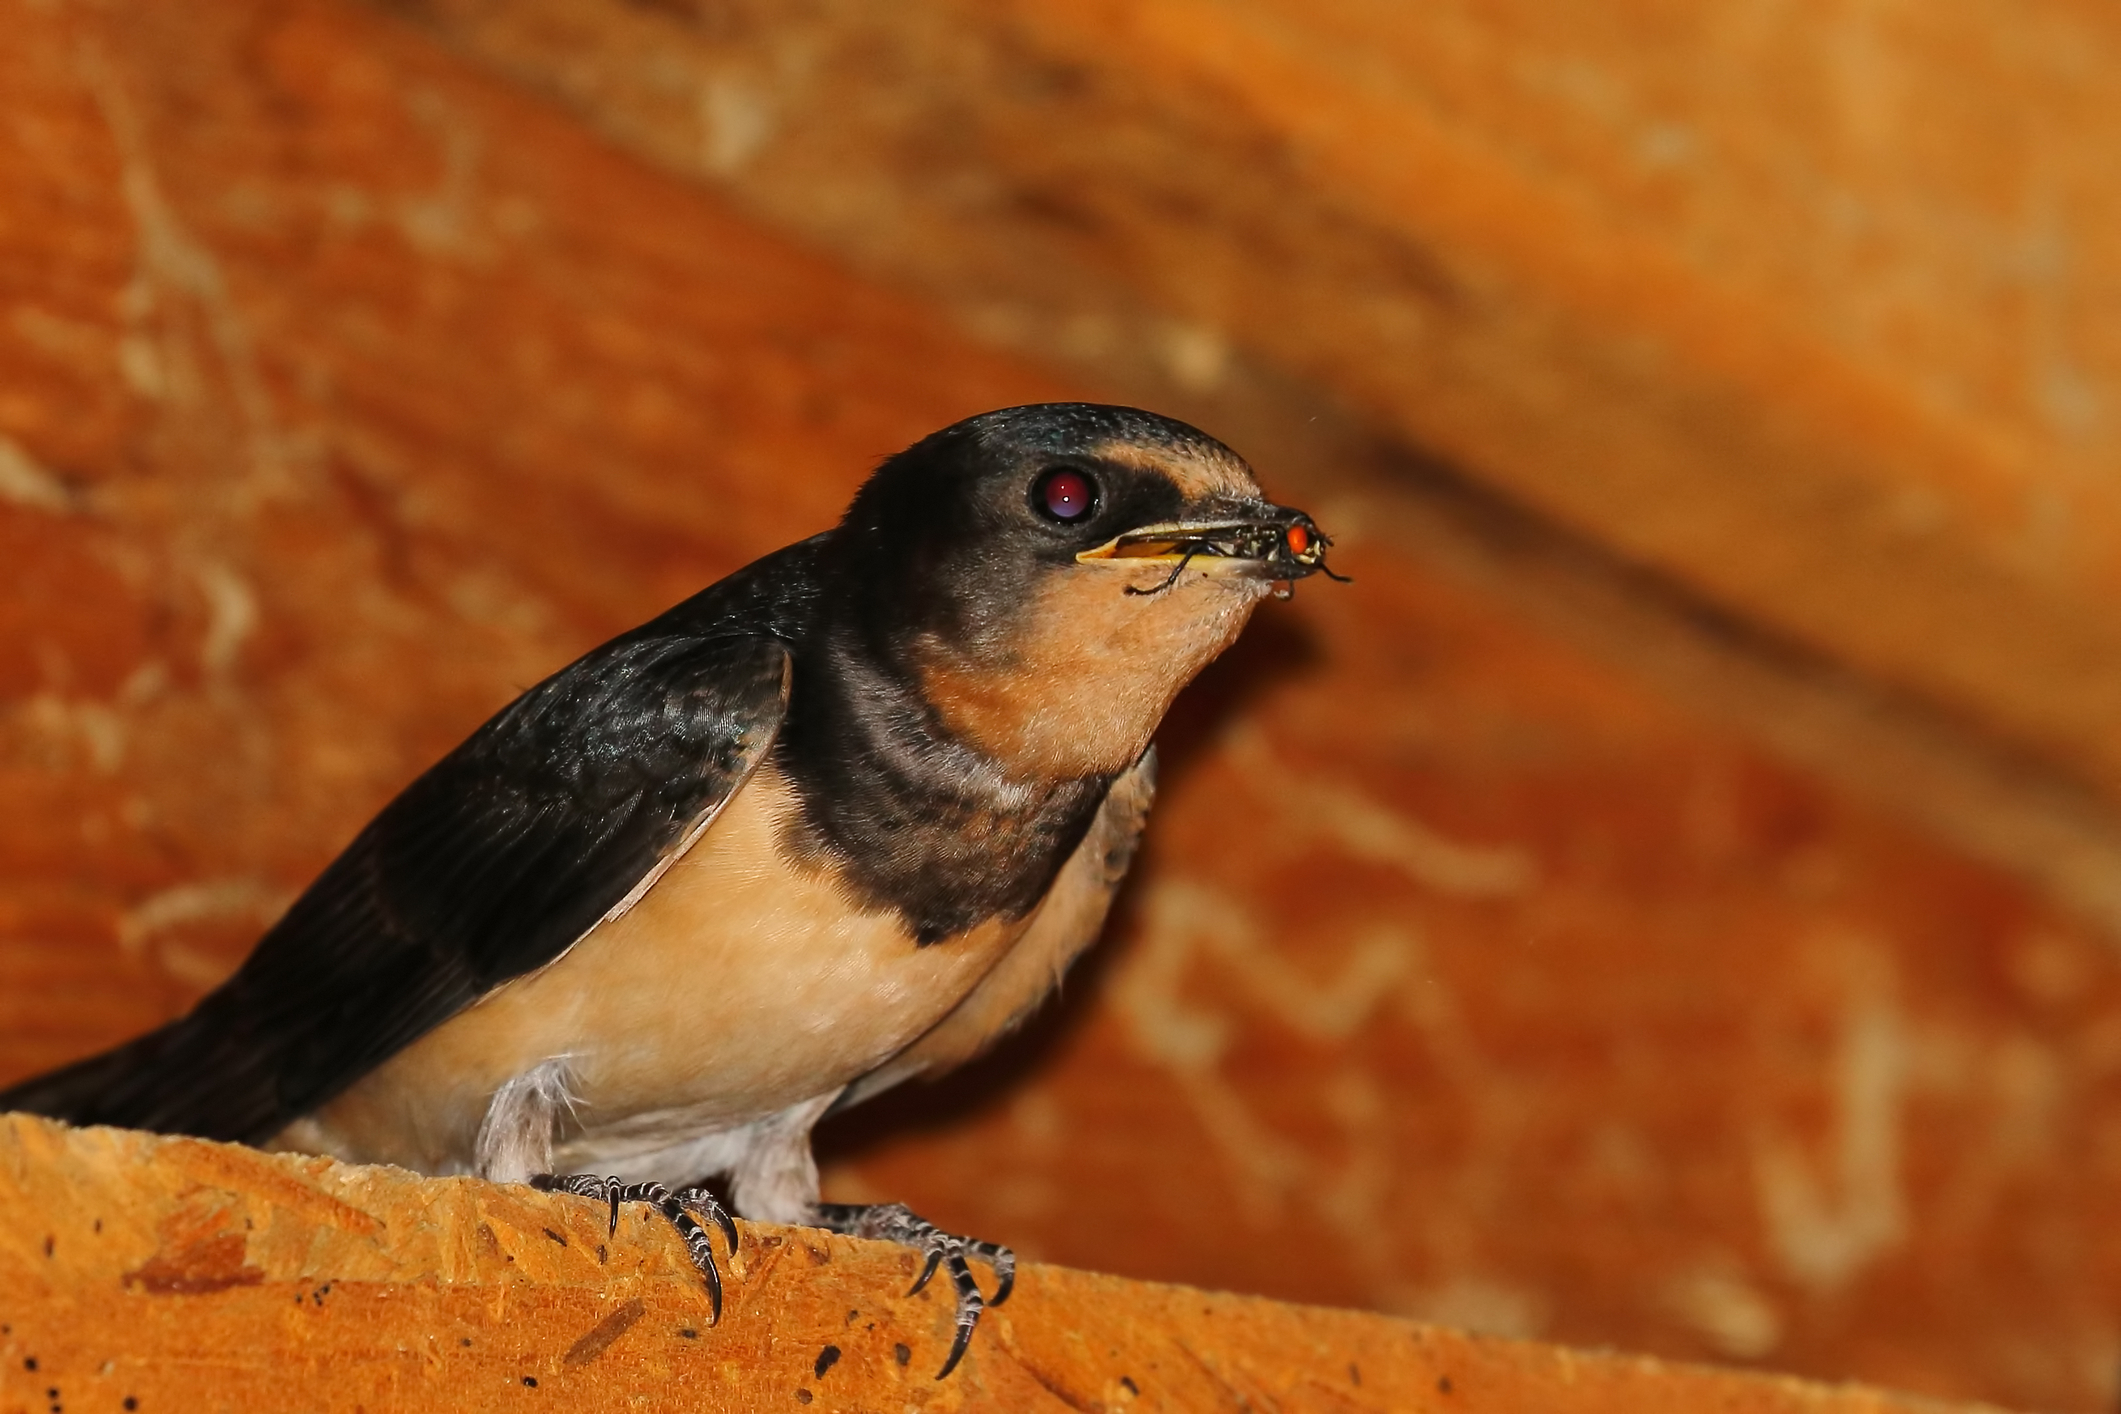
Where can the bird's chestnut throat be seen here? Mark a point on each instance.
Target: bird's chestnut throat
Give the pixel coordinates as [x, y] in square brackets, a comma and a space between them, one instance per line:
[1079, 685]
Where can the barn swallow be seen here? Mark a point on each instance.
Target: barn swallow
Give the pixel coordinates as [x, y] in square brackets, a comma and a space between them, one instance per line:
[840, 820]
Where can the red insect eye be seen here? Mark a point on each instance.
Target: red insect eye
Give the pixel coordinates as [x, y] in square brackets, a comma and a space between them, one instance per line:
[1064, 494]
[1299, 539]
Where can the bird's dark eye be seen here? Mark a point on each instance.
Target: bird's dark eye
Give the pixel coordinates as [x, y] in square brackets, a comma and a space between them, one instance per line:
[1064, 494]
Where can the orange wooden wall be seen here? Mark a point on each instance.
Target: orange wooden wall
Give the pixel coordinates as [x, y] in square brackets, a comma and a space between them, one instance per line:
[1541, 918]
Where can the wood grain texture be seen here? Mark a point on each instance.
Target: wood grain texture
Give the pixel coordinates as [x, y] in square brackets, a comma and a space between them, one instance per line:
[350, 390]
[1807, 309]
[174, 1275]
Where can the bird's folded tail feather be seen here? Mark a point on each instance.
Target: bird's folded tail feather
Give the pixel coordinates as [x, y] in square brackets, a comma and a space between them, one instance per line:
[78, 1093]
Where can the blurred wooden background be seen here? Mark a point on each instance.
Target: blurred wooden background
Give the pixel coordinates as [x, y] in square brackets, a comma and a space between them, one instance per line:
[1671, 900]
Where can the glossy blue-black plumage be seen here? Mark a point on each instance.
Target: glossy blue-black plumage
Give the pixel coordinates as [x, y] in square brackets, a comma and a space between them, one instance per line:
[489, 865]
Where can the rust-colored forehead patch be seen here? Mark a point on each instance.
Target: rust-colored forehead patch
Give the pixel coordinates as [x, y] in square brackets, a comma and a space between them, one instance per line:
[1200, 469]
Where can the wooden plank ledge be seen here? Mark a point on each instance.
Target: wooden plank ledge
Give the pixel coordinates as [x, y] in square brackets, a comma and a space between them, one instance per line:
[149, 1274]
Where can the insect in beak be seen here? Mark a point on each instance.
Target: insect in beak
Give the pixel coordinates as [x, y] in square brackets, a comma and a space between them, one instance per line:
[1286, 546]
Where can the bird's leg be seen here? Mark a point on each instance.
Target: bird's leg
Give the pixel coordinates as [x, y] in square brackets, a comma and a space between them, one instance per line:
[678, 1207]
[895, 1222]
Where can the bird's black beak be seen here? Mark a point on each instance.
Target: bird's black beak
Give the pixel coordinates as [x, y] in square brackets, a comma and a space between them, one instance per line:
[1277, 543]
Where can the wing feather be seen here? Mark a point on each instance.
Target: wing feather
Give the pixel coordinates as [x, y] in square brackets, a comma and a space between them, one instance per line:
[493, 863]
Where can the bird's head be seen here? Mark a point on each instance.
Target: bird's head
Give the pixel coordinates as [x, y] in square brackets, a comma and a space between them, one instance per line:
[1050, 576]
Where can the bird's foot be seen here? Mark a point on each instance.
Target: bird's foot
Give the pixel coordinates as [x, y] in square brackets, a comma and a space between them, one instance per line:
[895, 1222]
[678, 1207]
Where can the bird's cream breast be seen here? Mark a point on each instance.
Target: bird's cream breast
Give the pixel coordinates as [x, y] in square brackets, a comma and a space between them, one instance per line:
[744, 981]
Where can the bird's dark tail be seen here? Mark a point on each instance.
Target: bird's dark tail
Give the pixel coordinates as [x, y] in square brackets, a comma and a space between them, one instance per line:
[198, 1075]
[80, 1093]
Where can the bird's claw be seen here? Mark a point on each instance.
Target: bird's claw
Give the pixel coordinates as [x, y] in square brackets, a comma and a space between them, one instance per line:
[944, 1251]
[679, 1207]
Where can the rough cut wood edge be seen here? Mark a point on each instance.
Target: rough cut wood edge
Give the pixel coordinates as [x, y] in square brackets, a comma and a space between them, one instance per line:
[151, 1274]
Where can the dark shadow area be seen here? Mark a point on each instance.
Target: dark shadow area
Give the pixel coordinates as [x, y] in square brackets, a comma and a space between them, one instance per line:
[1272, 648]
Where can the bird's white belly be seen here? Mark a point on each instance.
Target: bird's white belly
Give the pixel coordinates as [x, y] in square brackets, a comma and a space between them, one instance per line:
[740, 985]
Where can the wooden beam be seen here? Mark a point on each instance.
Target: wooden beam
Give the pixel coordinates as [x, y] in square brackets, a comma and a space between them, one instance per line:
[151, 1274]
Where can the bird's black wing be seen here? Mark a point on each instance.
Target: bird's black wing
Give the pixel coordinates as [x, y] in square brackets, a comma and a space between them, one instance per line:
[488, 866]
